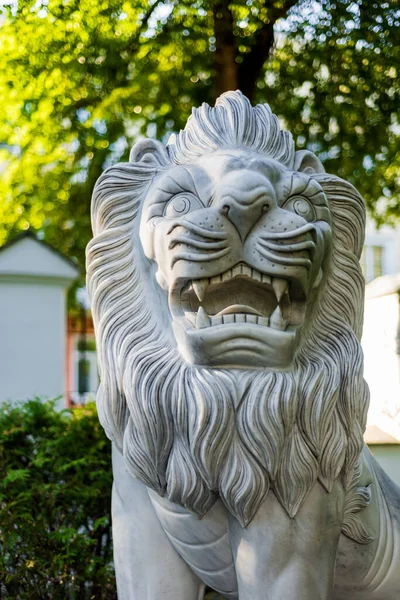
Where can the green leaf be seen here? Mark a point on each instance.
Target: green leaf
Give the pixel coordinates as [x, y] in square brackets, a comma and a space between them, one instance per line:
[16, 475]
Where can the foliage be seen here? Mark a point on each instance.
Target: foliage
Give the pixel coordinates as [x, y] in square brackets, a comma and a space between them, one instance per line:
[55, 521]
[82, 79]
[55, 486]
[87, 345]
[342, 64]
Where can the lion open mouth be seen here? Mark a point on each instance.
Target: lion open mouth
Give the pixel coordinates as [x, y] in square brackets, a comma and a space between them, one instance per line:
[242, 295]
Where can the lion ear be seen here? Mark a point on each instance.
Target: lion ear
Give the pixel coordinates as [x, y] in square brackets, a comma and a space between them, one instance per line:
[306, 162]
[149, 151]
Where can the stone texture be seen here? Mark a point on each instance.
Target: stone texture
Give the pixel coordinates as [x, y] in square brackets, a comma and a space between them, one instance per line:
[227, 298]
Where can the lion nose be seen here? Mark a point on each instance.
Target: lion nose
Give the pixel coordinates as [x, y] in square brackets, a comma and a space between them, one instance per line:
[245, 197]
[244, 218]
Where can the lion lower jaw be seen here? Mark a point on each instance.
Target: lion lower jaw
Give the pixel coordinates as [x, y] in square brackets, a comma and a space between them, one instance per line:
[241, 317]
[240, 345]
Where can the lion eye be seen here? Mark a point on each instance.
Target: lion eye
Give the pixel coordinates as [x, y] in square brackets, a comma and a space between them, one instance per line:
[180, 205]
[302, 207]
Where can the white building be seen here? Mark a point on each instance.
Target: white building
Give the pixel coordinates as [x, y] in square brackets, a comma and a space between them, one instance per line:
[381, 344]
[381, 254]
[34, 279]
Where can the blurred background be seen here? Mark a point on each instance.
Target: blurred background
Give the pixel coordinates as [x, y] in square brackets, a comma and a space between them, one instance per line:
[81, 81]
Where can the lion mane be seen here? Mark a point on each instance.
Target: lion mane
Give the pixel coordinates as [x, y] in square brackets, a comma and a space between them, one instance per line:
[195, 434]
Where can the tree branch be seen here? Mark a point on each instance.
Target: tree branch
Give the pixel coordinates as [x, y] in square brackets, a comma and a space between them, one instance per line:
[251, 67]
[133, 45]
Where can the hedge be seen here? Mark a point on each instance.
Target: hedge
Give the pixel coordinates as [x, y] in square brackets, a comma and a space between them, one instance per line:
[55, 521]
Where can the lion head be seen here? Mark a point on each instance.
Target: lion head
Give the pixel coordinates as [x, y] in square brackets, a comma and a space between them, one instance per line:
[227, 300]
[239, 240]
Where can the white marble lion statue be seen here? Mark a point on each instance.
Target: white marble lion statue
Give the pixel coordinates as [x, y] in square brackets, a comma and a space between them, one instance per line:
[227, 299]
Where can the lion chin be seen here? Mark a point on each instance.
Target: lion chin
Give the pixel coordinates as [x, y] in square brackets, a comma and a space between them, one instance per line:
[227, 300]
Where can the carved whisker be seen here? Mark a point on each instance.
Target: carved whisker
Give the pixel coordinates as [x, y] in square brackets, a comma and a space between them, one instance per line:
[286, 235]
[291, 262]
[308, 245]
[199, 257]
[192, 243]
[196, 229]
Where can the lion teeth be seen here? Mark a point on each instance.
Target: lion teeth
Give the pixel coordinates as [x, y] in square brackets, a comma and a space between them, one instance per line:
[202, 319]
[216, 279]
[236, 271]
[276, 320]
[240, 318]
[200, 287]
[280, 286]
[263, 321]
[228, 318]
[217, 320]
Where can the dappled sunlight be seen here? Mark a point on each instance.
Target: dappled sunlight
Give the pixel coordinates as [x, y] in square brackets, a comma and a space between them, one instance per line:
[80, 81]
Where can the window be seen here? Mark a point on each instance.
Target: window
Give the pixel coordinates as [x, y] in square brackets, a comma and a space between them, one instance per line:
[363, 262]
[83, 376]
[371, 261]
[377, 256]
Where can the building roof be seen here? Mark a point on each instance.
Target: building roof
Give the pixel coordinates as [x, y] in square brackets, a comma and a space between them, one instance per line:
[382, 286]
[375, 435]
[26, 255]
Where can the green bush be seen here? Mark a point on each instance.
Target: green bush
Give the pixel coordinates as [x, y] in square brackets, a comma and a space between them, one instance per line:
[55, 522]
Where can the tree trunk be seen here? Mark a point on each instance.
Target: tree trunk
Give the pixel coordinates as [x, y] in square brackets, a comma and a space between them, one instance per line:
[229, 74]
[253, 63]
[225, 53]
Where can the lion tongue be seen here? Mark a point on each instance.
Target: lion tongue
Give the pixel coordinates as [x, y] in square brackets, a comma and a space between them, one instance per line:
[203, 320]
[238, 308]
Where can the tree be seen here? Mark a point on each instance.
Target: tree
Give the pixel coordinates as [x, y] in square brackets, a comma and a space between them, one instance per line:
[81, 80]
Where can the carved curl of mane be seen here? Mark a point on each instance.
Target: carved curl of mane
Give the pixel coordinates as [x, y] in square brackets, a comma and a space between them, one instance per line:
[176, 424]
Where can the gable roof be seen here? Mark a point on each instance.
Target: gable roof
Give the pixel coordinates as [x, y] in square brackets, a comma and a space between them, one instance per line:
[382, 286]
[26, 255]
[376, 435]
